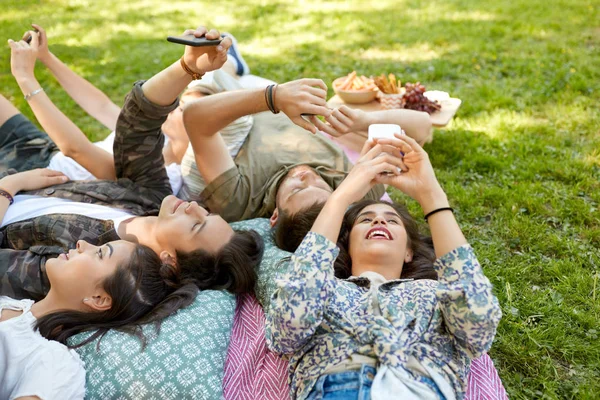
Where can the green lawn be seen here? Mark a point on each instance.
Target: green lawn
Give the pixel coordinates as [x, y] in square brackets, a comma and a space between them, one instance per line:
[520, 162]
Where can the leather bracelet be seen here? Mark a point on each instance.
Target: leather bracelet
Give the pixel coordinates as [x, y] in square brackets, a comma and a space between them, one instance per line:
[4, 193]
[195, 75]
[437, 210]
[270, 98]
[30, 95]
[274, 93]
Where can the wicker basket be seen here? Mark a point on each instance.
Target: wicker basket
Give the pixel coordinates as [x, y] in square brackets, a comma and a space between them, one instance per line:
[391, 101]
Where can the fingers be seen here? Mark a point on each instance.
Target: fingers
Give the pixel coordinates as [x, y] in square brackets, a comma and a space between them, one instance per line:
[375, 151]
[323, 127]
[369, 144]
[316, 110]
[319, 92]
[213, 34]
[12, 44]
[200, 31]
[41, 31]
[51, 172]
[314, 82]
[301, 122]
[397, 143]
[337, 124]
[225, 44]
[188, 32]
[35, 40]
[412, 143]
[341, 117]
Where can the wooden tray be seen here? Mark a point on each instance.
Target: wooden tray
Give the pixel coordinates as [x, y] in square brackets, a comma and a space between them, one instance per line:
[439, 119]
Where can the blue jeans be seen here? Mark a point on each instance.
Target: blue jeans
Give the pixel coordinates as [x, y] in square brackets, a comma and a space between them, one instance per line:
[353, 385]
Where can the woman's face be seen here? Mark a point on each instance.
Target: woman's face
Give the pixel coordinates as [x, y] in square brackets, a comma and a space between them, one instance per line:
[378, 237]
[80, 273]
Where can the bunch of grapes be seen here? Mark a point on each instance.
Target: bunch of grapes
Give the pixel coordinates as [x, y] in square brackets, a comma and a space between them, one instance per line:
[416, 100]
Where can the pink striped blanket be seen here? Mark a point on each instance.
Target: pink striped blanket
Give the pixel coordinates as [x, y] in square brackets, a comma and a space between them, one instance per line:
[253, 372]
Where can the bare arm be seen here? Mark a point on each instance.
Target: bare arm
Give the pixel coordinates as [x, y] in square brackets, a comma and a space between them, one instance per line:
[67, 136]
[90, 98]
[344, 120]
[420, 183]
[204, 118]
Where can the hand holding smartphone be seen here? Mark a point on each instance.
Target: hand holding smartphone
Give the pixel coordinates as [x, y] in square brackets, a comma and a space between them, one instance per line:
[191, 40]
[385, 131]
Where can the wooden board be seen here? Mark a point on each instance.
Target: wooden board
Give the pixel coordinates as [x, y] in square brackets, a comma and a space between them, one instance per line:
[439, 119]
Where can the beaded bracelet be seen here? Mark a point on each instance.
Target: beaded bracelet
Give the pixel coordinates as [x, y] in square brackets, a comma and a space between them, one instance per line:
[4, 193]
[437, 210]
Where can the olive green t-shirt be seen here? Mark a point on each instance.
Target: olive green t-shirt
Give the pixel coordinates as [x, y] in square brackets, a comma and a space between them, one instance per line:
[273, 147]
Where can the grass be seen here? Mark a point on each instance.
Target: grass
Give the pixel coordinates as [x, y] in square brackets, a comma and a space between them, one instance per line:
[520, 161]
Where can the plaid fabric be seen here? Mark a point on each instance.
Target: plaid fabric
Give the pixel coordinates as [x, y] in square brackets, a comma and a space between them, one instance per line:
[140, 188]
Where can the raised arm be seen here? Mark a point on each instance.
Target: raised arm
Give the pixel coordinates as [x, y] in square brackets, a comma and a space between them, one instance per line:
[90, 98]
[139, 139]
[67, 136]
[471, 311]
[304, 285]
[205, 117]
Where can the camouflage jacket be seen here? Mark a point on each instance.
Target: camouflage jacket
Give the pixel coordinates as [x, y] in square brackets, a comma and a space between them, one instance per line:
[141, 185]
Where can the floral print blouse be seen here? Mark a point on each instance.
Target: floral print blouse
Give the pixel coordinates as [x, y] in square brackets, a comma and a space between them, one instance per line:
[322, 320]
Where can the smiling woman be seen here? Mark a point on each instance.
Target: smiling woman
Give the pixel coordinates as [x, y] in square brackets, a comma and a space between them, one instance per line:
[387, 319]
[93, 288]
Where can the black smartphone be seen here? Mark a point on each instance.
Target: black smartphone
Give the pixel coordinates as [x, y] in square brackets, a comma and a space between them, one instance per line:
[191, 40]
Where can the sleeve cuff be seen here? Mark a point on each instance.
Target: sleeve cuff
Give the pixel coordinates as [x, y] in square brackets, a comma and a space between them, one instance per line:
[146, 106]
[218, 182]
[456, 262]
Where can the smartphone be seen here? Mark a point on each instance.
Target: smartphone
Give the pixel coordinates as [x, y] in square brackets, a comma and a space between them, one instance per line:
[191, 40]
[383, 131]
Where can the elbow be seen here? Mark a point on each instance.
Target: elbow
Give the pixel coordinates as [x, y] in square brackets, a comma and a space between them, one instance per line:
[424, 128]
[482, 341]
[283, 338]
[69, 151]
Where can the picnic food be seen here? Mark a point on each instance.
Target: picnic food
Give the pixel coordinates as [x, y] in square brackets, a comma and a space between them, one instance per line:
[415, 99]
[413, 93]
[388, 84]
[354, 82]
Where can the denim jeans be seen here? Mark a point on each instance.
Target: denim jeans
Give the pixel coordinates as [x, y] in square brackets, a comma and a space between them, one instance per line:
[352, 385]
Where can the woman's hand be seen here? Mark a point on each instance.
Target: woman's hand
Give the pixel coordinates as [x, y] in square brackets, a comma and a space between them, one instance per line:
[23, 56]
[418, 180]
[32, 180]
[341, 121]
[203, 59]
[303, 96]
[43, 54]
[365, 174]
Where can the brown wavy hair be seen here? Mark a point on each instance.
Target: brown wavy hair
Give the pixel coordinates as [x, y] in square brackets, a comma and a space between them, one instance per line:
[421, 266]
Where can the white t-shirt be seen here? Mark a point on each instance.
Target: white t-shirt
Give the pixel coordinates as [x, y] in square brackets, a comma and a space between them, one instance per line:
[31, 365]
[25, 207]
[75, 172]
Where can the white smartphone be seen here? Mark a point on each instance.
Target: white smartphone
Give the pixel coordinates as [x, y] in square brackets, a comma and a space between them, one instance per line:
[384, 131]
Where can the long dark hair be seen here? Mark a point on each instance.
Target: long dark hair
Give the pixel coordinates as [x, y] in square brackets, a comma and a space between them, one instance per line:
[232, 268]
[421, 266]
[143, 290]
